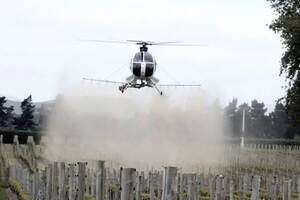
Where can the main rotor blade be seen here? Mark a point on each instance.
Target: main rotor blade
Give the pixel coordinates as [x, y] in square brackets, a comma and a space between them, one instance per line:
[109, 41]
[142, 42]
[170, 42]
[178, 44]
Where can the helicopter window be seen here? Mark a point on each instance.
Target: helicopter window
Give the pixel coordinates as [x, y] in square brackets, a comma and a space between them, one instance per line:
[148, 57]
[136, 69]
[149, 70]
[138, 57]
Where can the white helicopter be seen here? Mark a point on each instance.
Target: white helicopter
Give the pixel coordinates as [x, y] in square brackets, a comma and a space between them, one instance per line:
[143, 66]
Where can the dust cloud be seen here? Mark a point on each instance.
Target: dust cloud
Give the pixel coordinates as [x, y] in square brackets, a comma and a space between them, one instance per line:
[138, 128]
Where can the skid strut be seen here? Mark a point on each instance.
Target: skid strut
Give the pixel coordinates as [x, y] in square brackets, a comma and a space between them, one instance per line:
[124, 87]
[159, 91]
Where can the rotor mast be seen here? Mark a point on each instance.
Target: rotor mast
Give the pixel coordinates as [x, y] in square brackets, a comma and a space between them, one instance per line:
[144, 47]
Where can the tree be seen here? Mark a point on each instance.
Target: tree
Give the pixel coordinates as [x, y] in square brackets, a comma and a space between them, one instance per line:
[44, 114]
[293, 103]
[25, 120]
[287, 24]
[5, 113]
[281, 123]
[230, 113]
[260, 123]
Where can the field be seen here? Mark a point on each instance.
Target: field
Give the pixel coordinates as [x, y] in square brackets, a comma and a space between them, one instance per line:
[253, 172]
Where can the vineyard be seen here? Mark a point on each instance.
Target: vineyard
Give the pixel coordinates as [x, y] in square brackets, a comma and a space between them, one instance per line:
[254, 172]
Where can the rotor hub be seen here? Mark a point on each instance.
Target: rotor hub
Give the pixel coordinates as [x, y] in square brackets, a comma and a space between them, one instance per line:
[144, 48]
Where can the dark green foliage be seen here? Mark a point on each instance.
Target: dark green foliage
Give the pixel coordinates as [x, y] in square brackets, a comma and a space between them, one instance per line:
[8, 136]
[25, 120]
[45, 112]
[233, 119]
[5, 113]
[281, 123]
[229, 112]
[258, 124]
[284, 142]
[287, 24]
[293, 103]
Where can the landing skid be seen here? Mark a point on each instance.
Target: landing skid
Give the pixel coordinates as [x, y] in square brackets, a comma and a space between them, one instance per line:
[125, 86]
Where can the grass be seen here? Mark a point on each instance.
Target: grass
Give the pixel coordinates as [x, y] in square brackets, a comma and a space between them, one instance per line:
[15, 186]
[24, 158]
[28, 163]
[88, 197]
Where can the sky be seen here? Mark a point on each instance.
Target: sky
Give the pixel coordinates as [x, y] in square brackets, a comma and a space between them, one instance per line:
[40, 51]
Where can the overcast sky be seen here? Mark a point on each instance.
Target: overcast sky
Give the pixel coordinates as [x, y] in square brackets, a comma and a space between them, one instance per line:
[40, 53]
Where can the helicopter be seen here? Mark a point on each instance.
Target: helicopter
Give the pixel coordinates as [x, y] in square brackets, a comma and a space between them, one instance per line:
[143, 66]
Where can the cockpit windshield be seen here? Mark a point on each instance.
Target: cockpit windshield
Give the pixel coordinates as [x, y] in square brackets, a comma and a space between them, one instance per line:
[138, 57]
[142, 57]
[148, 57]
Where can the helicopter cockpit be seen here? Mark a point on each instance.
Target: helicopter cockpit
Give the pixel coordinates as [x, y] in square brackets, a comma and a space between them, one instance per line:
[143, 64]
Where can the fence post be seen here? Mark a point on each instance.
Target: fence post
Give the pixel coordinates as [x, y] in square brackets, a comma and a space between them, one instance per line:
[245, 184]
[36, 185]
[71, 177]
[142, 181]
[127, 183]
[48, 182]
[43, 183]
[211, 185]
[169, 183]
[13, 172]
[191, 186]
[255, 188]
[89, 181]
[81, 180]
[286, 192]
[231, 188]
[181, 189]
[160, 184]
[138, 188]
[61, 182]
[218, 188]
[54, 192]
[274, 188]
[93, 184]
[100, 180]
[151, 186]
[298, 187]
[118, 185]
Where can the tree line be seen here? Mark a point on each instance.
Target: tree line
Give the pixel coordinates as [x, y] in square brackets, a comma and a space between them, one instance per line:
[258, 124]
[24, 121]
